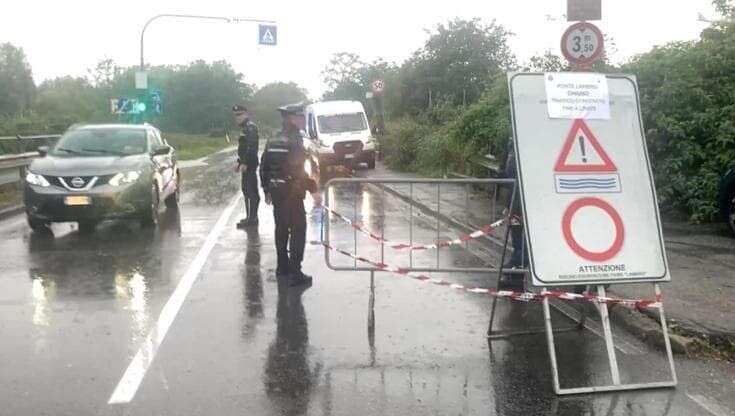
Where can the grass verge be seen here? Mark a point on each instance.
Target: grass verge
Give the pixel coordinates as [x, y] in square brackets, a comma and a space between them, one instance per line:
[9, 195]
[194, 146]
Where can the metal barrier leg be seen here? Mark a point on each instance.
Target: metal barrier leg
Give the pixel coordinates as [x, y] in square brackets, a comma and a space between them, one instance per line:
[665, 328]
[502, 261]
[609, 342]
[371, 305]
[551, 345]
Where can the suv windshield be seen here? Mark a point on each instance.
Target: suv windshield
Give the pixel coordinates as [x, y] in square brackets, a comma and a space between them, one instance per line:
[340, 123]
[102, 141]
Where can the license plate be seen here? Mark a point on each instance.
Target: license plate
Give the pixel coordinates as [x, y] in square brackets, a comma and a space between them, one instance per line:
[350, 156]
[77, 200]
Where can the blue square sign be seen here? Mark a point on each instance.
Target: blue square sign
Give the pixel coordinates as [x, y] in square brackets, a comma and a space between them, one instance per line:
[267, 35]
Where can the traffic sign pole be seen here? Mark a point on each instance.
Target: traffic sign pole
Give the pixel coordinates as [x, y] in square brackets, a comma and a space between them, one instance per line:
[192, 16]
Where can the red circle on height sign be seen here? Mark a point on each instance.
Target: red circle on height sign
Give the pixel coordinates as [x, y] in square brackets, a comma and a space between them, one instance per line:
[582, 60]
[566, 225]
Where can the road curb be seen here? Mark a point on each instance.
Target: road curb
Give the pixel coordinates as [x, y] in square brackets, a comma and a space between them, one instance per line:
[635, 322]
[10, 211]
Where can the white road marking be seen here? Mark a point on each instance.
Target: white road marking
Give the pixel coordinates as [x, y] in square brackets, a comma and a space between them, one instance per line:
[128, 385]
[709, 405]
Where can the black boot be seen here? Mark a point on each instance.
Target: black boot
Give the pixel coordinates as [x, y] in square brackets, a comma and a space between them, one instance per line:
[244, 222]
[252, 220]
[299, 279]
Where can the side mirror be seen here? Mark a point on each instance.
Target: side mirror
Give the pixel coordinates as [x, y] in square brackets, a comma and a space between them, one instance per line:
[43, 151]
[161, 150]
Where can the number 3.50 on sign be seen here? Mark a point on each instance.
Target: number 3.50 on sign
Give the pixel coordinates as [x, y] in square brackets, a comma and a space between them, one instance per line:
[582, 44]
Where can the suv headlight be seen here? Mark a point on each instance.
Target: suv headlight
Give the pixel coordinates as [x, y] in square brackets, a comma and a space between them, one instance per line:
[124, 178]
[36, 179]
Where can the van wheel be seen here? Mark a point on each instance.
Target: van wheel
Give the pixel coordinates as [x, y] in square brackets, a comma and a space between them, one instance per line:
[371, 162]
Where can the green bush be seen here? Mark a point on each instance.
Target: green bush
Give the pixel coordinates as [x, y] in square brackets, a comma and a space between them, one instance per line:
[400, 145]
[689, 114]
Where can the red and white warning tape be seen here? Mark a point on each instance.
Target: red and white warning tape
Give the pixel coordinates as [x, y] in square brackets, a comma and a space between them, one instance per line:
[486, 230]
[521, 296]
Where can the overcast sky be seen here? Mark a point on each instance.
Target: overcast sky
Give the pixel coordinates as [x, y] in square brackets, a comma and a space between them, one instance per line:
[67, 37]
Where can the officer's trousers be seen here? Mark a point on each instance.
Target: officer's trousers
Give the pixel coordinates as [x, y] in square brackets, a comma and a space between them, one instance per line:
[290, 220]
[250, 192]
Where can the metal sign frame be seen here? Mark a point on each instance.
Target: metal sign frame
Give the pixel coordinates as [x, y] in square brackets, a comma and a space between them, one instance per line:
[545, 281]
[602, 308]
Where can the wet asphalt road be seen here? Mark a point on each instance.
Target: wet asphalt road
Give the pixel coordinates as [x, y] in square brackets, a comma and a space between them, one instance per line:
[76, 309]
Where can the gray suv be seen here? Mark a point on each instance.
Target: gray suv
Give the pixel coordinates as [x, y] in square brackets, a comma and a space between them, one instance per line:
[102, 171]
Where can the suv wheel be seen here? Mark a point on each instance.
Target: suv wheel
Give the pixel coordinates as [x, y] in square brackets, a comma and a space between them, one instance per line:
[36, 224]
[150, 216]
[172, 202]
[87, 226]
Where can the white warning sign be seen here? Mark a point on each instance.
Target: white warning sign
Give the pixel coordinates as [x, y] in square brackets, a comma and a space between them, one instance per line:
[575, 95]
[589, 202]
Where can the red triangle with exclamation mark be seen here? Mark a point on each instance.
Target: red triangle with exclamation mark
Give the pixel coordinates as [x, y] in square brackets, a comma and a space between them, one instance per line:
[563, 162]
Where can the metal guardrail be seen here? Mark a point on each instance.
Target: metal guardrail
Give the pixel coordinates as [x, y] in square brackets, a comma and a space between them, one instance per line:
[22, 144]
[13, 166]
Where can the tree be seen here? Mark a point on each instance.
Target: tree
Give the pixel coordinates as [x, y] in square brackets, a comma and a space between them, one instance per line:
[197, 98]
[16, 80]
[267, 99]
[724, 7]
[104, 73]
[70, 98]
[343, 68]
[457, 63]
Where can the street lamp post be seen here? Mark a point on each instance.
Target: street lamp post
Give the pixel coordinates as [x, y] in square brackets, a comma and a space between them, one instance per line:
[190, 16]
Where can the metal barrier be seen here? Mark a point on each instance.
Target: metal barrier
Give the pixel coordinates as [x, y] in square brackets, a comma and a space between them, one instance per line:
[13, 166]
[412, 184]
[22, 144]
[580, 323]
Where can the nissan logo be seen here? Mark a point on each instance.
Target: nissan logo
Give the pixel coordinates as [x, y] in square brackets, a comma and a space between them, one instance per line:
[77, 182]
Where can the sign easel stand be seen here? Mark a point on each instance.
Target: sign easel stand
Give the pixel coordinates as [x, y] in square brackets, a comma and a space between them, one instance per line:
[503, 334]
[549, 330]
[616, 385]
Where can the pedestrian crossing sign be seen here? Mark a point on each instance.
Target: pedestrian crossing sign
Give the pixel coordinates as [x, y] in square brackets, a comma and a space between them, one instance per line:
[268, 35]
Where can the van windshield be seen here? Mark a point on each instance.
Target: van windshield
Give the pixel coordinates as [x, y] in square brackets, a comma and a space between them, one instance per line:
[341, 123]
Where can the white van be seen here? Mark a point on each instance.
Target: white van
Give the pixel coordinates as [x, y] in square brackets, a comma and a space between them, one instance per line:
[338, 134]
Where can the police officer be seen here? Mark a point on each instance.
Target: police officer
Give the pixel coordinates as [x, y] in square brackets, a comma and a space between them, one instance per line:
[518, 258]
[247, 165]
[285, 183]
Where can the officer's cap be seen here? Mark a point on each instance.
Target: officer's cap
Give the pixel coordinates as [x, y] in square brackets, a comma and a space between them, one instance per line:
[239, 108]
[296, 108]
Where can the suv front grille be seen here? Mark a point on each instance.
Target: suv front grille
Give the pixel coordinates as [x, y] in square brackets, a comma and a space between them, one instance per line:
[69, 182]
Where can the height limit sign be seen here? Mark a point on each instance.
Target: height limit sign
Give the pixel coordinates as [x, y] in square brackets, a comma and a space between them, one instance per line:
[582, 44]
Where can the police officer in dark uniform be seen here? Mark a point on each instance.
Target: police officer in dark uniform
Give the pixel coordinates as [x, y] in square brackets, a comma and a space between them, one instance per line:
[247, 165]
[519, 257]
[285, 183]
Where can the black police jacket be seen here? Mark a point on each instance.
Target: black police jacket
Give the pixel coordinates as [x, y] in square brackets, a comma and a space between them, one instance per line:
[282, 167]
[247, 146]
